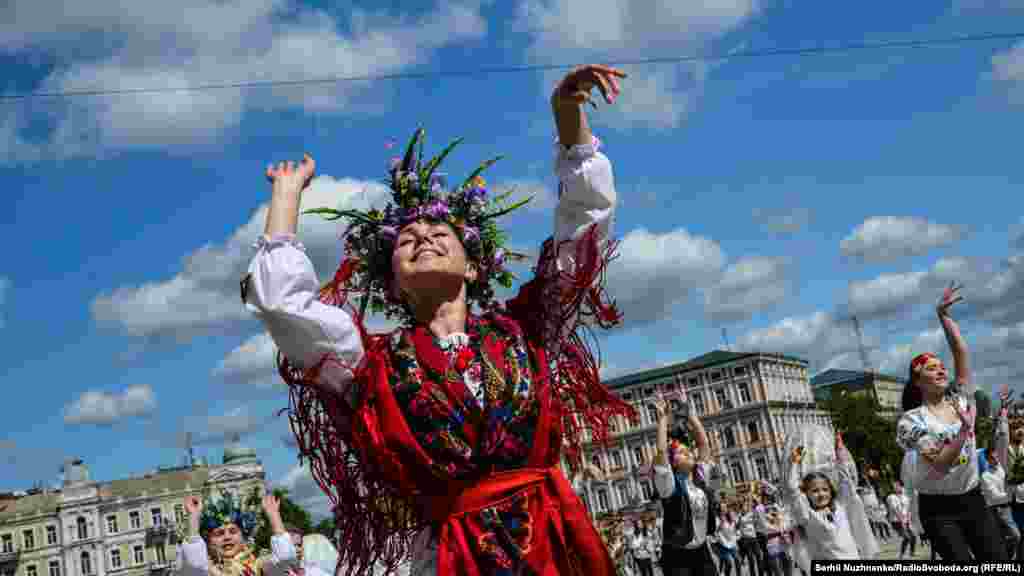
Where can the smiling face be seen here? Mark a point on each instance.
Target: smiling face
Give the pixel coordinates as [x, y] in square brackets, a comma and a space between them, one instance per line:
[932, 376]
[819, 492]
[226, 540]
[429, 255]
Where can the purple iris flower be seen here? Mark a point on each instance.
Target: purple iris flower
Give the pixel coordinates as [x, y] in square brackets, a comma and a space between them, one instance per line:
[470, 234]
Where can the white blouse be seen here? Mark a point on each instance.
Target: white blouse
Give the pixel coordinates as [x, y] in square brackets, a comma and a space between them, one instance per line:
[920, 430]
[829, 531]
[193, 559]
[283, 286]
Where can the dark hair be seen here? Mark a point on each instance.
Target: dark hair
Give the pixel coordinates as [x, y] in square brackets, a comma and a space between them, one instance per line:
[912, 397]
[820, 476]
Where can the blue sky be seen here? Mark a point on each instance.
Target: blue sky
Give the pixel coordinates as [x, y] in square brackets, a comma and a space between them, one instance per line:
[769, 196]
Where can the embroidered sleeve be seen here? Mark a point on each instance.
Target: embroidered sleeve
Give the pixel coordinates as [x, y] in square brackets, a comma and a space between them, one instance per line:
[281, 290]
[912, 433]
[282, 557]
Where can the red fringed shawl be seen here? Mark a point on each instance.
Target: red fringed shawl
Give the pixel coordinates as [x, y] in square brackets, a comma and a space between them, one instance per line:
[418, 450]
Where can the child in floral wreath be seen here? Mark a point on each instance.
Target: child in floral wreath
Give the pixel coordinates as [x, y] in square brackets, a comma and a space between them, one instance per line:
[442, 440]
[218, 545]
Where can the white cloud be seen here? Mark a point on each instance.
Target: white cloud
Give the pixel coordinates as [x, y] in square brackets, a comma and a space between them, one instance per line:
[747, 286]
[818, 338]
[205, 294]
[896, 295]
[253, 362]
[218, 429]
[782, 222]
[655, 271]
[660, 97]
[105, 408]
[884, 238]
[150, 45]
[304, 491]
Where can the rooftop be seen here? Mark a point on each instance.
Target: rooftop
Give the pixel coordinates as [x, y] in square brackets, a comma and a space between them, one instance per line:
[712, 358]
[836, 376]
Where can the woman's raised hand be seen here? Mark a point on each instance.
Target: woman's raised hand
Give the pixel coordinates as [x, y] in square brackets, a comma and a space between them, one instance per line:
[576, 86]
[951, 295]
[289, 178]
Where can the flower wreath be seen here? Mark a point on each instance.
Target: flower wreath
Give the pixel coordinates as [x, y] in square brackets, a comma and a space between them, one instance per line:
[224, 510]
[418, 192]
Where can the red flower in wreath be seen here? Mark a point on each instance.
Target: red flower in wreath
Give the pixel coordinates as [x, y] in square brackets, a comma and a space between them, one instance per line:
[463, 358]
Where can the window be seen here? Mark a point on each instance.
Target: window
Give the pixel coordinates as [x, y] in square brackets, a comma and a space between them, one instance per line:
[157, 516]
[752, 432]
[135, 520]
[716, 376]
[51, 535]
[86, 564]
[179, 513]
[115, 558]
[762, 467]
[674, 404]
[139, 554]
[6, 544]
[728, 437]
[648, 392]
[645, 486]
[83, 529]
[628, 397]
[31, 570]
[737, 471]
[617, 458]
[29, 538]
[161, 555]
[652, 413]
[744, 390]
[112, 524]
[602, 500]
[723, 401]
[739, 371]
[693, 383]
[698, 404]
[638, 455]
[54, 568]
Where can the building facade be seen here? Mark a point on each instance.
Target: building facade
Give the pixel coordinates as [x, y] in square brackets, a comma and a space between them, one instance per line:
[885, 390]
[124, 527]
[747, 402]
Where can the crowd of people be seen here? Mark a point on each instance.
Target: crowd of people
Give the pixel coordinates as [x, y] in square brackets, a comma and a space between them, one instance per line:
[440, 441]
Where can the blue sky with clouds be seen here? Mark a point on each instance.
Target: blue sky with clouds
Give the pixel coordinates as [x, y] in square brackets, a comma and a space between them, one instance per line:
[770, 196]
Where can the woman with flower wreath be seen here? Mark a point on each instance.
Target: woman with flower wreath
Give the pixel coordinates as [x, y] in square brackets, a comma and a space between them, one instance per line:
[938, 425]
[217, 544]
[441, 441]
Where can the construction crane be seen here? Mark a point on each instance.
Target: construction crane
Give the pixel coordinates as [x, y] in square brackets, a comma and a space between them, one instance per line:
[862, 348]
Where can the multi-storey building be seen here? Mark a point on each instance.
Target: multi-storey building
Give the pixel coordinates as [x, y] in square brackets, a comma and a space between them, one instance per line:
[748, 403]
[124, 527]
[885, 390]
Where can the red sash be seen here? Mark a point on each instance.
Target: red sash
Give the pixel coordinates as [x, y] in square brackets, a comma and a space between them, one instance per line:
[534, 511]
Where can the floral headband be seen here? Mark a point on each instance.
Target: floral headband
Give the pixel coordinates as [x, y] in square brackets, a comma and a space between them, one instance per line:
[419, 192]
[227, 510]
[919, 361]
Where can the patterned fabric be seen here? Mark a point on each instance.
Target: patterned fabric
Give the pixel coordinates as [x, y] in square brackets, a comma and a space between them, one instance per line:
[245, 563]
[919, 431]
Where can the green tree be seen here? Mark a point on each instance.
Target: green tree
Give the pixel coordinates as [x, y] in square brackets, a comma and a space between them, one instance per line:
[291, 513]
[870, 437]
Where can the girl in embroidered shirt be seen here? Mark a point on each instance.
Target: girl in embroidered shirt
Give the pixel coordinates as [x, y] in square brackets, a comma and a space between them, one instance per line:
[822, 509]
[938, 424]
